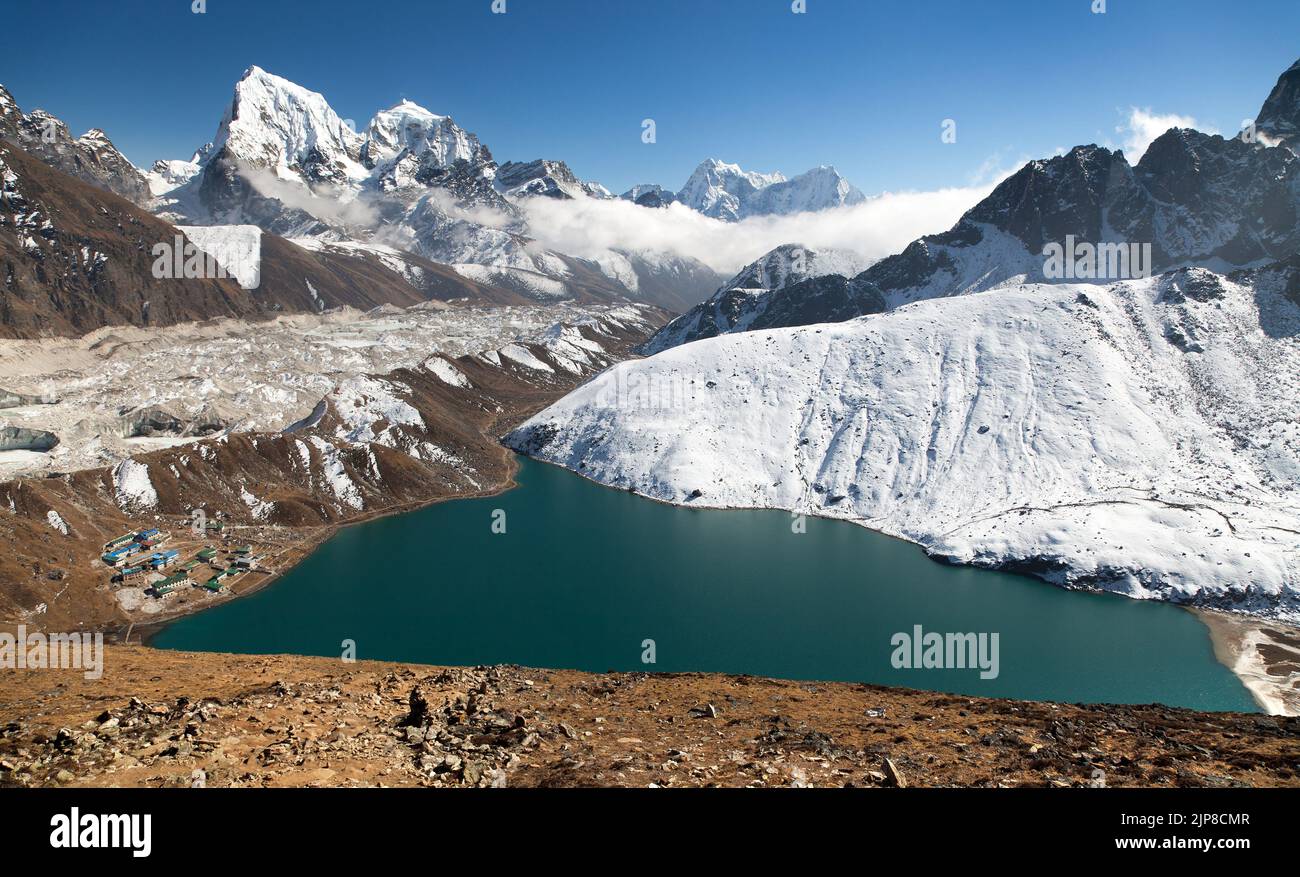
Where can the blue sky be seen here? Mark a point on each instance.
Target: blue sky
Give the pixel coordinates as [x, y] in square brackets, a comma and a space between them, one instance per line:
[860, 84]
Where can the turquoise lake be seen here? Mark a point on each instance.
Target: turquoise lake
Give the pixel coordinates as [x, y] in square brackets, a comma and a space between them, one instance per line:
[583, 575]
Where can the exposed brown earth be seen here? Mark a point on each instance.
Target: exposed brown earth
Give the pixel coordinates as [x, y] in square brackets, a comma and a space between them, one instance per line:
[157, 717]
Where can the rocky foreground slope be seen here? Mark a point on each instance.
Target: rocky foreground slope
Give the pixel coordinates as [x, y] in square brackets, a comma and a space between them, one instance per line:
[160, 718]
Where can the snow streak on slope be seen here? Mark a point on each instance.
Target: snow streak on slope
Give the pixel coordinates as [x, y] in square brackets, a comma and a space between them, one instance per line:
[1140, 438]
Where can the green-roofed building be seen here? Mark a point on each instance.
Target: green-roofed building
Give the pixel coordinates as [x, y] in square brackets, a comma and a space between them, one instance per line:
[119, 541]
[169, 584]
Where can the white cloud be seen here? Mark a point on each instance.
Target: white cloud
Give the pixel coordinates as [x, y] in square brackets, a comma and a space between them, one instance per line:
[323, 202]
[1144, 126]
[488, 216]
[882, 225]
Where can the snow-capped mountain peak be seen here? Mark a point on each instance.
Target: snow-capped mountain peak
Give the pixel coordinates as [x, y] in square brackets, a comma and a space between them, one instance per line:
[791, 285]
[725, 191]
[649, 195]
[278, 125]
[410, 127]
[721, 190]
[166, 175]
[791, 263]
[818, 189]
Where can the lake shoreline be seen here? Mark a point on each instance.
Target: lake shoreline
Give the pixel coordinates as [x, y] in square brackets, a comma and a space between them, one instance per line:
[733, 611]
[147, 631]
[1234, 636]
[1259, 652]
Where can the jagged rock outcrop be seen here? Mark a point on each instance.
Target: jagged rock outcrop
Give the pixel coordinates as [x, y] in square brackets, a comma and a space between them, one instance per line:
[550, 179]
[1279, 117]
[91, 157]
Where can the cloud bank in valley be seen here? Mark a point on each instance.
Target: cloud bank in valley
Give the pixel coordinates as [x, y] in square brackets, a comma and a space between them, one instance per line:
[879, 227]
[323, 202]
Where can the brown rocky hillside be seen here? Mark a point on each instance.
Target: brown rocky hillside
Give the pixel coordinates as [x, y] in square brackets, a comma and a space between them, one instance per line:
[160, 718]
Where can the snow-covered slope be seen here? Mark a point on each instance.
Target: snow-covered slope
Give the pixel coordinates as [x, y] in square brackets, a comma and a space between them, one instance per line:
[167, 175]
[1140, 437]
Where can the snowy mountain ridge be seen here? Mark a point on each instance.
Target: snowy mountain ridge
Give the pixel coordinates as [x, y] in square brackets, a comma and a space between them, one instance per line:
[816, 281]
[728, 192]
[1195, 199]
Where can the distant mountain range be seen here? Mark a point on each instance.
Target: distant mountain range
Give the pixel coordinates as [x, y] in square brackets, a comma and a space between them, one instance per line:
[75, 257]
[412, 181]
[283, 160]
[725, 191]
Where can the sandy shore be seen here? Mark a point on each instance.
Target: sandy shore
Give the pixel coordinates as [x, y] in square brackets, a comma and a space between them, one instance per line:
[1264, 654]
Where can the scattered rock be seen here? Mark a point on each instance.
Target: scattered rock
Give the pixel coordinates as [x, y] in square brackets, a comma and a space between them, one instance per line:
[893, 774]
